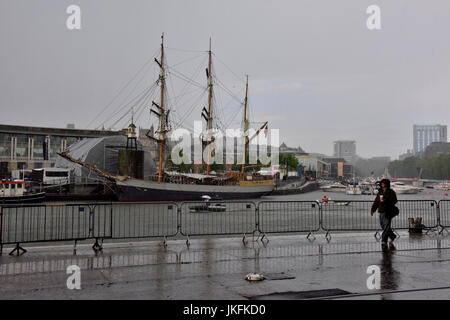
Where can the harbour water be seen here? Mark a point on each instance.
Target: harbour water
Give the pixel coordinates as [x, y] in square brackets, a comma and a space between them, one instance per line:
[426, 194]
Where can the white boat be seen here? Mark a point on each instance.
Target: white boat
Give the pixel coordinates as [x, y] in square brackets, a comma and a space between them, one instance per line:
[353, 189]
[334, 203]
[368, 188]
[335, 187]
[444, 186]
[13, 191]
[402, 188]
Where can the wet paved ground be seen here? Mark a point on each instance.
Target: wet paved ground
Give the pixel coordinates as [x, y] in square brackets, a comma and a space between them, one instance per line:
[419, 268]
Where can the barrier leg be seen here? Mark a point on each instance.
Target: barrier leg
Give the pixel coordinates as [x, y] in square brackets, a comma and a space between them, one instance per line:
[187, 241]
[432, 230]
[377, 236]
[17, 250]
[98, 246]
[443, 229]
[264, 237]
[309, 236]
[243, 239]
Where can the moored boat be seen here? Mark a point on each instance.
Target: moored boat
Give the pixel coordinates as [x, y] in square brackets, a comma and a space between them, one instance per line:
[335, 187]
[14, 191]
[402, 188]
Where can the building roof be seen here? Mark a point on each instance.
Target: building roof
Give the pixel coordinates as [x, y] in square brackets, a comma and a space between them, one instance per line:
[57, 131]
[285, 149]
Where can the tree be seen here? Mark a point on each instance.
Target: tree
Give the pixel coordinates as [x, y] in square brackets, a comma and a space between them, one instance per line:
[288, 160]
[433, 167]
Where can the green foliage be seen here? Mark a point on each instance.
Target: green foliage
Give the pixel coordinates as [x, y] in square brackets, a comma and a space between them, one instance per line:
[433, 167]
[288, 159]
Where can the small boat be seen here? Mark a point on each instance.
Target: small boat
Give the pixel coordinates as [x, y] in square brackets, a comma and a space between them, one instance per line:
[368, 188]
[334, 203]
[443, 186]
[335, 187]
[353, 189]
[327, 201]
[14, 191]
[402, 188]
[207, 206]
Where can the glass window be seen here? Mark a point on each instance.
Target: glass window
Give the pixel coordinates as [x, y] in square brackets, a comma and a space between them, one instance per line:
[22, 146]
[56, 173]
[55, 146]
[5, 145]
[38, 148]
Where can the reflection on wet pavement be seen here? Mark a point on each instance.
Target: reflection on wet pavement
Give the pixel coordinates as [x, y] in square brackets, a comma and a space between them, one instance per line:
[215, 268]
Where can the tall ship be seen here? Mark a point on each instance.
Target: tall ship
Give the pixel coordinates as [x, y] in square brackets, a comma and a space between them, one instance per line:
[182, 186]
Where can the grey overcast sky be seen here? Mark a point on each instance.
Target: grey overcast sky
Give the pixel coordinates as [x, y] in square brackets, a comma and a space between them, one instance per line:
[316, 72]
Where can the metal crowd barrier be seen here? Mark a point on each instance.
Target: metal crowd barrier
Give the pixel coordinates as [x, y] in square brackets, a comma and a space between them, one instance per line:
[444, 214]
[218, 218]
[143, 220]
[354, 215]
[348, 216]
[45, 223]
[21, 224]
[428, 210]
[288, 216]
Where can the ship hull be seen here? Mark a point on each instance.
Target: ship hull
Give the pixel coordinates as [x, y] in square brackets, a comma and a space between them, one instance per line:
[29, 198]
[140, 190]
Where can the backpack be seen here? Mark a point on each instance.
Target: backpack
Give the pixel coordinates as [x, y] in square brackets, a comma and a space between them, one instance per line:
[393, 211]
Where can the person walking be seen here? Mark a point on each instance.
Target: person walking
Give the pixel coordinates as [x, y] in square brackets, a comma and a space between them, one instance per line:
[385, 204]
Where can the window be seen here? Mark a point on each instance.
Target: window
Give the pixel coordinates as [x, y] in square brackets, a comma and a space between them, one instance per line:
[56, 174]
[22, 146]
[38, 148]
[55, 146]
[5, 145]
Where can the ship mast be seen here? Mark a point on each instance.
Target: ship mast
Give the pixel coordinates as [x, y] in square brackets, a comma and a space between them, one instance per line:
[245, 127]
[210, 85]
[161, 113]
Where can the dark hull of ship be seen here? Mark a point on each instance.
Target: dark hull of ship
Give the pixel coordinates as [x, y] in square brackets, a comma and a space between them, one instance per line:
[177, 192]
[30, 198]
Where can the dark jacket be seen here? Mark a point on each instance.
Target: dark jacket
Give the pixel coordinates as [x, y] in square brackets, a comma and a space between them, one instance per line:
[389, 198]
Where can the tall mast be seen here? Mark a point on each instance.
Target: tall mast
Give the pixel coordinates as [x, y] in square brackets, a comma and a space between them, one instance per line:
[162, 118]
[210, 85]
[245, 127]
